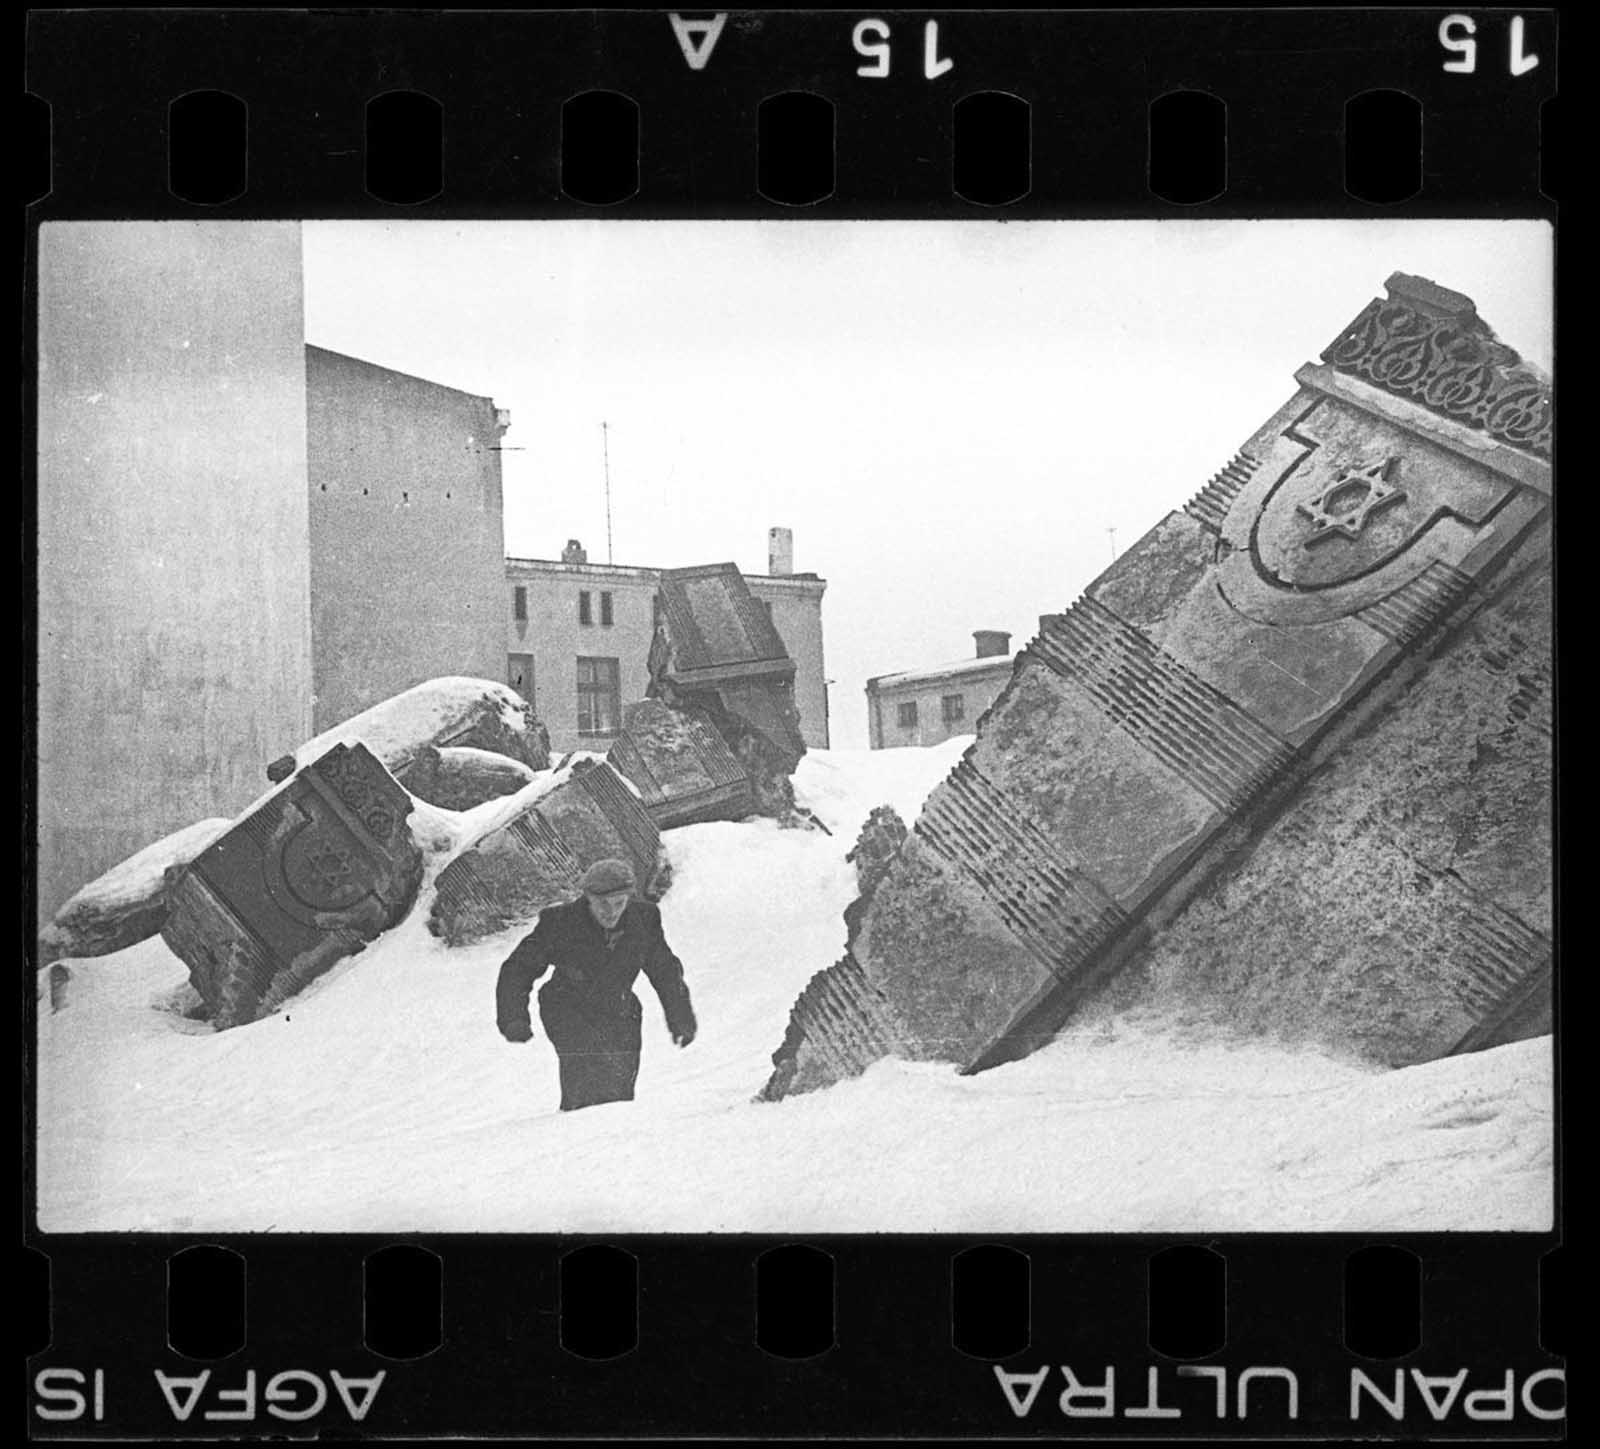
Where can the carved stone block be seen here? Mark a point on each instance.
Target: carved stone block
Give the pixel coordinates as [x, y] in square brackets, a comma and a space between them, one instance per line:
[680, 765]
[517, 870]
[1265, 764]
[454, 778]
[716, 651]
[316, 872]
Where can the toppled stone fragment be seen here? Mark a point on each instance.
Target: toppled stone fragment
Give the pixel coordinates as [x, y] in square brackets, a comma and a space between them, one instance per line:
[716, 651]
[455, 712]
[881, 836]
[537, 858]
[127, 904]
[315, 872]
[1261, 767]
[681, 766]
[454, 778]
[1402, 907]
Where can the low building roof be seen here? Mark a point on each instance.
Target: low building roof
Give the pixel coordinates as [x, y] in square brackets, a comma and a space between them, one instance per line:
[642, 573]
[989, 663]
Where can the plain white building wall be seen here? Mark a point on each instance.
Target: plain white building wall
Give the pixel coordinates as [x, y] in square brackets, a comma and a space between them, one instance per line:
[174, 597]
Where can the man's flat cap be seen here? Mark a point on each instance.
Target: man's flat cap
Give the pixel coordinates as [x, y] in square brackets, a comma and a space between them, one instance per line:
[606, 876]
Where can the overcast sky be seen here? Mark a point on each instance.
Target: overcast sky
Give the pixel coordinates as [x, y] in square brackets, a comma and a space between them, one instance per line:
[950, 416]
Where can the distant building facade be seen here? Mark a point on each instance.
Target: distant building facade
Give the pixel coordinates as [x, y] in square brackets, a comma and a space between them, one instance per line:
[578, 637]
[929, 706]
[407, 533]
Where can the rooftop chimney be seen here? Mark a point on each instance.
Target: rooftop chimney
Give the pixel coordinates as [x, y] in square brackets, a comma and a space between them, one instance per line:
[574, 552]
[992, 643]
[780, 552]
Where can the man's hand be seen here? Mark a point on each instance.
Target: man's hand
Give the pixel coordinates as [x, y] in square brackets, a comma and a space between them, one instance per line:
[685, 1036]
[518, 1031]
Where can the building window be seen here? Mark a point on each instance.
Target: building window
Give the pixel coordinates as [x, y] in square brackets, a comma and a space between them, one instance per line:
[907, 715]
[605, 608]
[519, 602]
[585, 612]
[519, 674]
[599, 696]
[954, 707]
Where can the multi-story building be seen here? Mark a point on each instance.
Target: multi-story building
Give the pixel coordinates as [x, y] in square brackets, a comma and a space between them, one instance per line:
[928, 706]
[578, 639]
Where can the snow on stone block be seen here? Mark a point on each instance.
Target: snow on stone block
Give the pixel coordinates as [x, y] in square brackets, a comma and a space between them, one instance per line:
[456, 778]
[314, 873]
[681, 768]
[450, 713]
[1288, 755]
[129, 902]
[537, 858]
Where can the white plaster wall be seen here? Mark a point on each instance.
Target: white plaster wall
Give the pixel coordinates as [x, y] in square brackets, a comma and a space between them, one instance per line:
[174, 617]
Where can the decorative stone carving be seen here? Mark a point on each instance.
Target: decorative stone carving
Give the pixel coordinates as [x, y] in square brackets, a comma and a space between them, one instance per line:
[716, 651]
[317, 871]
[517, 870]
[1428, 344]
[680, 765]
[1277, 651]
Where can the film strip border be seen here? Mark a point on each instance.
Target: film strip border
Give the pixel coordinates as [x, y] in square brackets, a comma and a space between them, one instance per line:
[299, 114]
[410, 1333]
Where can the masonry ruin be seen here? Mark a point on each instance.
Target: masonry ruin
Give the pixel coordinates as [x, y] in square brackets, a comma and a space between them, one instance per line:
[1291, 753]
[439, 714]
[680, 765]
[538, 857]
[319, 869]
[716, 654]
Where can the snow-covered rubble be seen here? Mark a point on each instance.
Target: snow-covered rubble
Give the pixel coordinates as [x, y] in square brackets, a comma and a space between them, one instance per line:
[383, 1099]
[127, 902]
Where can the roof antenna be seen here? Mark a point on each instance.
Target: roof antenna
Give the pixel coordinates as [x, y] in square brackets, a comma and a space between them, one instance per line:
[605, 453]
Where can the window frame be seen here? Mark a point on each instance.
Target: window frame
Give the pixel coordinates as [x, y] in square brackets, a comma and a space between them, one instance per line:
[906, 714]
[953, 716]
[607, 613]
[519, 603]
[593, 690]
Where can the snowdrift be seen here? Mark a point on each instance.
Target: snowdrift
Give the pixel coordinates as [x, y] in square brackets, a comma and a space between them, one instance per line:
[383, 1099]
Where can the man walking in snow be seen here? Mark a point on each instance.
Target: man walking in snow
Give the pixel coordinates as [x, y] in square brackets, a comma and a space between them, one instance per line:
[598, 944]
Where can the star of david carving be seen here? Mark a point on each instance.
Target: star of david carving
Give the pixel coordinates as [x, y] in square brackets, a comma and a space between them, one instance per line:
[331, 867]
[1354, 495]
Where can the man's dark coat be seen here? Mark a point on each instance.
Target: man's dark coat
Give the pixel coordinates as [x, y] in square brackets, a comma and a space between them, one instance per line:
[588, 1007]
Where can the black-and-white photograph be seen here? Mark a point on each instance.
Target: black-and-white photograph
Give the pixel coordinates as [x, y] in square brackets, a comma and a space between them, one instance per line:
[794, 727]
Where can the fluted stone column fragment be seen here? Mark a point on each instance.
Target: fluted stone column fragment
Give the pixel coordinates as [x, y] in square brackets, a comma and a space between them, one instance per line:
[1287, 760]
[538, 857]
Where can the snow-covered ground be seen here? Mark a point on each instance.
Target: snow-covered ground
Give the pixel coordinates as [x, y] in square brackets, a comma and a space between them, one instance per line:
[384, 1099]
